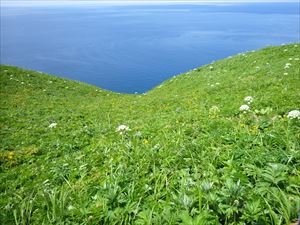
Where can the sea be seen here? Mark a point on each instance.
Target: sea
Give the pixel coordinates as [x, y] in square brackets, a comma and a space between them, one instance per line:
[131, 48]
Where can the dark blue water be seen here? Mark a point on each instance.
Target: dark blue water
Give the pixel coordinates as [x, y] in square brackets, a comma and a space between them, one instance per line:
[135, 47]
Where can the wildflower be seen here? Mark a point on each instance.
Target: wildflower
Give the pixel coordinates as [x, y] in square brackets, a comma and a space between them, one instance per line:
[217, 83]
[287, 65]
[156, 147]
[122, 129]
[248, 99]
[244, 108]
[214, 110]
[294, 114]
[138, 134]
[296, 59]
[285, 50]
[211, 67]
[52, 125]
[145, 141]
[10, 155]
[257, 68]
[290, 59]
[285, 74]
[236, 202]
[254, 127]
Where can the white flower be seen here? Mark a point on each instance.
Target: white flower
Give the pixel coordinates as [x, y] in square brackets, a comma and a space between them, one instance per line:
[294, 114]
[211, 67]
[296, 59]
[138, 134]
[52, 125]
[285, 50]
[287, 65]
[244, 108]
[248, 99]
[122, 128]
[285, 74]
[214, 110]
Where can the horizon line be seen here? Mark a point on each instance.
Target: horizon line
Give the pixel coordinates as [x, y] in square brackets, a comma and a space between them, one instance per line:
[148, 1]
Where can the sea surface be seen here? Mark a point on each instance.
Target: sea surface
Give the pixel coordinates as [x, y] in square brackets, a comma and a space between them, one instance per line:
[133, 48]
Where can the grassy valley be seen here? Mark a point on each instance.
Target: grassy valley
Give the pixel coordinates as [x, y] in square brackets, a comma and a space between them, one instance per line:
[186, 152]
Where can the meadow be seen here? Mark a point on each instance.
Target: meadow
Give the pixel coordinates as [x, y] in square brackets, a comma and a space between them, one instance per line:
[219, 144]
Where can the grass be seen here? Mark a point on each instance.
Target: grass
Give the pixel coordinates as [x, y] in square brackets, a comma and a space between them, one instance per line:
[190, 156]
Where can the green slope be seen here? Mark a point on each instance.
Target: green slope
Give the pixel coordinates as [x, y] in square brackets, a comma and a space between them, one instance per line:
[190, 156]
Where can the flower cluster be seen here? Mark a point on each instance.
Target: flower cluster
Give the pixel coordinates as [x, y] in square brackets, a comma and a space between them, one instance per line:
[287, 65]
[294, 114]
[214, 110]
[248, 99]
[244, 108]
[122, 129]
[52, 125]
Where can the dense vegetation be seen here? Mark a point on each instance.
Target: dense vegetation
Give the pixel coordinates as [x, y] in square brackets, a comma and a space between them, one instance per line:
[187, 153]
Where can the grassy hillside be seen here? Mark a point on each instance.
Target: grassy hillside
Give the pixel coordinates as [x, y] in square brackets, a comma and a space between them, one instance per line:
[189, 154]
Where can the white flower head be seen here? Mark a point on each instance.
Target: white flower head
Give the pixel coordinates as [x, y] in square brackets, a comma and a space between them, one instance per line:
[294, 114]
[52, 125]
[138, 134]
[214, 110]
[248, 99]
[244, 108]
[287, 65]
[122, 129]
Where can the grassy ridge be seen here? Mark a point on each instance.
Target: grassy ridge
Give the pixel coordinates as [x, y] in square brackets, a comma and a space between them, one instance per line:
[190, 156]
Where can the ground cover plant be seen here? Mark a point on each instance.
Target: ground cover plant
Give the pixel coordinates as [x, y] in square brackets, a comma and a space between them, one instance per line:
[216, 145]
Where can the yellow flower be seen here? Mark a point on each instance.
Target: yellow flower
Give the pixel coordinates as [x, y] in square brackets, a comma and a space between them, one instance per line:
[254, 127]
[10, 155]
[145, 141]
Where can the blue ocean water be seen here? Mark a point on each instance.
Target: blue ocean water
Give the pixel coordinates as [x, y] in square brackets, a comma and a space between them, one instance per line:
[133, 48]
